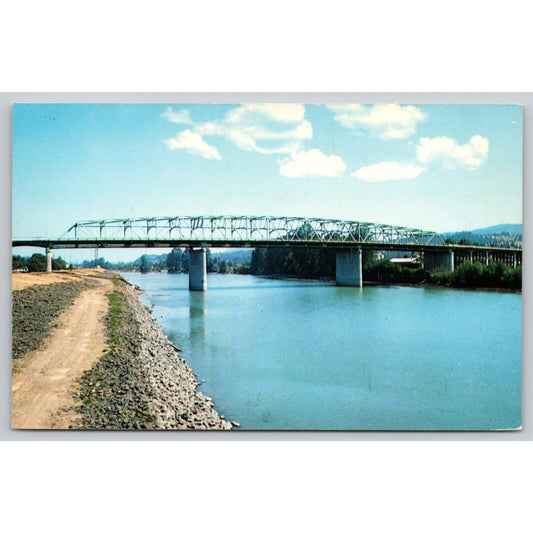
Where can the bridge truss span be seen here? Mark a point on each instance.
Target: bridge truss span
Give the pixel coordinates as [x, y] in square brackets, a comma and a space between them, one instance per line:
[348, 238]
[252, 230]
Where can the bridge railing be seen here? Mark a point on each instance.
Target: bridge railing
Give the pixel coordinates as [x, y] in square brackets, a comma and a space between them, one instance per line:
[260, 229]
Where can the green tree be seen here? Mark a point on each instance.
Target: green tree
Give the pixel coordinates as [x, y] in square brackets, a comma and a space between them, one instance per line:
[59, 264]
[494, 275]
[19, 263]
[257, 261]
[145, 265]
[385, 271]
[293, 261]
[37, 263]
[210, 263]
[175, 260]
[186, 260]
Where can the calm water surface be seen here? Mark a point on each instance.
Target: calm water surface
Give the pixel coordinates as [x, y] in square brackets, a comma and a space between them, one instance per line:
[297, 355]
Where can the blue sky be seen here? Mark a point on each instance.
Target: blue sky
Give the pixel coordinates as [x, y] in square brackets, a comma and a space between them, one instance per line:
[434, 167]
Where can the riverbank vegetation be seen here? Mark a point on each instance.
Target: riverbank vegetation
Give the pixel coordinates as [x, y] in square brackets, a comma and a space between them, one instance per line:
[385, 271]
[320, 264]
[305, 263]
[495, 275]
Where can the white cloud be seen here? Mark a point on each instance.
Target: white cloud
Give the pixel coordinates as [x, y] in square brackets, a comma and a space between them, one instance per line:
[388, 170]
[276, 112]
[387, 121]
[192, 143]
[263, 128]
[178, 117]
[452, 155]
[312, 164]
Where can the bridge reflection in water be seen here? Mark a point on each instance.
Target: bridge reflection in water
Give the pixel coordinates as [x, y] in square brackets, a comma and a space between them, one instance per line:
[349, 238]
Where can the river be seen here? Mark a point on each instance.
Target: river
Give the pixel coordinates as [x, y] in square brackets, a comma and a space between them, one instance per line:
[301, 355]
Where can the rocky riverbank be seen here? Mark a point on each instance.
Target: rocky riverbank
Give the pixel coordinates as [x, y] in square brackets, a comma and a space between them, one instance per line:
[141, 382]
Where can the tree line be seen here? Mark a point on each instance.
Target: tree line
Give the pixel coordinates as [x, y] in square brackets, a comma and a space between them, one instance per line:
[307, 263]
[495, 275]
[295, 262]
[298, 262]
[37, 263]
[178, 261]
[319, 263]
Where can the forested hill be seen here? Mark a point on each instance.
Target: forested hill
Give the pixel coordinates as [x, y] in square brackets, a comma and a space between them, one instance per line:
[511, 229]
[501, 235]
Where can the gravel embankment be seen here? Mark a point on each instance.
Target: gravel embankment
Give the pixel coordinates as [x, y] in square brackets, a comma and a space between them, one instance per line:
[141, 382]
[36, 310]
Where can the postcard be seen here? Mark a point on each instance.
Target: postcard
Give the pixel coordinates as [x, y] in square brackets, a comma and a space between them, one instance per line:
[267, 266]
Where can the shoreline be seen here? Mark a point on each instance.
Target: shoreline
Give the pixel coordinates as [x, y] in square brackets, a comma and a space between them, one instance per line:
[153, 387]
[371, 283]
[133, 379]
[172, 406]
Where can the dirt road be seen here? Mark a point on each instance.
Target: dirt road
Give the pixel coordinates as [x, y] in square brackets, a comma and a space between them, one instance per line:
[44, 379]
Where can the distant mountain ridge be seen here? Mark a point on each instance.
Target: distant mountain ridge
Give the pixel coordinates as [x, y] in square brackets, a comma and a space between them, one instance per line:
[512, 229]
[236, 256]
[504, 235]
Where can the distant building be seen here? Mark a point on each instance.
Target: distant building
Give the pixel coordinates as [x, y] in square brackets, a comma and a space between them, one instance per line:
[408, 262]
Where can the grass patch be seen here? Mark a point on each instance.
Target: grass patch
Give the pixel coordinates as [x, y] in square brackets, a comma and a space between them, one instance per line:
[114, 319]
[117, 279]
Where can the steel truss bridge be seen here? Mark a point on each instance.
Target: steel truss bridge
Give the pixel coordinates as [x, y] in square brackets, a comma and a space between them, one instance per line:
[349, 238]
[236, 232]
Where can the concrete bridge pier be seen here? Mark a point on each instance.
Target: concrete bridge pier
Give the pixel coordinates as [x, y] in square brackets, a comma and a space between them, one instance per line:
[197, 269]
[349, 268]
[48, 260]
[439, 261]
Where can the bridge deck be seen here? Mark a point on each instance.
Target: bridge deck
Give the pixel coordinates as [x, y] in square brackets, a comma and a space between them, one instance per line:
[142, 243]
